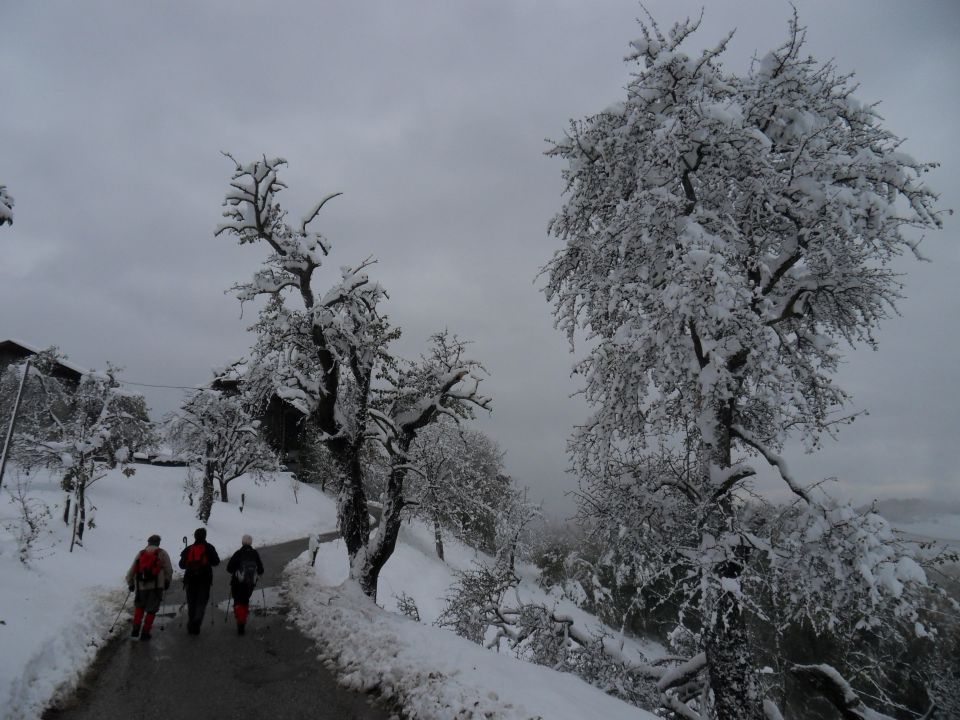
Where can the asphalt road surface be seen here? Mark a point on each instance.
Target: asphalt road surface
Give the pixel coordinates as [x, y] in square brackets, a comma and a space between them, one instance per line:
[271, 672]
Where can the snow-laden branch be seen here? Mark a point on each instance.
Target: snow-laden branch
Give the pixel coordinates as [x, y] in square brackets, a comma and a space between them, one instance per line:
[310, 216]
[682, 673]
[424, 409]
[774, 459]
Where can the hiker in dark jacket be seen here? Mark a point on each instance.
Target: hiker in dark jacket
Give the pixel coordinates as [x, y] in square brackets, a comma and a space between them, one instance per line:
[245, 568]
[148, 576]
[196, 561]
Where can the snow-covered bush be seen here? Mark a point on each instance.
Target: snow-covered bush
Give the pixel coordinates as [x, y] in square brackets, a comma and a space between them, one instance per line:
[484, 606]
[32, 516]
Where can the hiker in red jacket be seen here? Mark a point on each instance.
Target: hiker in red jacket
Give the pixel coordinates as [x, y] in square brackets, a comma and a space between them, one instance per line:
[149, 576]
[245, 568]
[196, 561]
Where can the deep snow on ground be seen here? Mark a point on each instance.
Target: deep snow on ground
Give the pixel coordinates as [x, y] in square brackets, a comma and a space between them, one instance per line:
[432, 672]
[56, 610]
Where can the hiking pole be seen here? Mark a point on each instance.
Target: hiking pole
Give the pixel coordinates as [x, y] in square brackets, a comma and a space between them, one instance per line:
[119, 613]
[226, 613]
[180, 609]
[163, 615]
[263, 596]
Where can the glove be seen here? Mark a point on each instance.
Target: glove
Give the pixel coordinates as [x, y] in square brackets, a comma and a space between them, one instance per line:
[131, 587]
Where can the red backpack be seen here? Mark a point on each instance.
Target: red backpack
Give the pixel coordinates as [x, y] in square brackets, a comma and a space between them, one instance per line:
[196, 559]
[148, 566]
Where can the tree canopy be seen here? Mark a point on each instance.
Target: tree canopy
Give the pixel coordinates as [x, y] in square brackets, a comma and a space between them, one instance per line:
[724, 236]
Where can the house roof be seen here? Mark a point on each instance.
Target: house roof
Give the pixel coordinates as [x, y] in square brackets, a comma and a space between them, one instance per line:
[18, 347]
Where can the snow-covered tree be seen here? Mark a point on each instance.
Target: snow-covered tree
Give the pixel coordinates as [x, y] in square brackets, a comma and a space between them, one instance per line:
[516, 526]
[457, 483]
[443, 383]
[217, 431]
[319, 352]
[6, 206]
[43, 400]
[94, 429]
[723, 236]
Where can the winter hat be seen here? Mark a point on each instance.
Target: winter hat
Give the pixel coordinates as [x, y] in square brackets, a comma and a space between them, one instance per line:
[153, 540]
[200, 534]
[246, 540]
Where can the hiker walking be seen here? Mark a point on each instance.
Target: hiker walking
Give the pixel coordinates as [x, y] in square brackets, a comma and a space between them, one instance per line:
[149, 576]
[245, 568]
[196, 561]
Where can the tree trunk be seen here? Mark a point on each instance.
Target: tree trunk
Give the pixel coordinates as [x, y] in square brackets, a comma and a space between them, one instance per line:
[733, 678]
[73, 530]
[387, 534]
[389, 529]
[206, 496]
[66, 509]
[81, 504]
[437, 537]
[352, 514]
[223, 491]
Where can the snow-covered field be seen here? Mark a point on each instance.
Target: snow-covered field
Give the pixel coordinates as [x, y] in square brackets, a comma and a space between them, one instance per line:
[432, 672]
[56, 610]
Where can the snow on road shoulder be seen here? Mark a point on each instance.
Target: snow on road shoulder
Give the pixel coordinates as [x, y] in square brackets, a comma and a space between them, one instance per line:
[432, 673]
[56, 610]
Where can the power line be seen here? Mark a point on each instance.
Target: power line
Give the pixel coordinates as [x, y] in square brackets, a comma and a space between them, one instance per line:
[169, 387]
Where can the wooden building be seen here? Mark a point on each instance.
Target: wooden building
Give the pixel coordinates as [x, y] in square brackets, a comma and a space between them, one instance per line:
[282, 424]
[15, 351]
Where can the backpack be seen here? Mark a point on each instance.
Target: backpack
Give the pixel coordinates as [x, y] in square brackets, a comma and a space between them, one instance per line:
[148, 566]
[246, 574]
[196, 559]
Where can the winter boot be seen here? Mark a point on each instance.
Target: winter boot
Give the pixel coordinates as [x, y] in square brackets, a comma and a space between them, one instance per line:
[241, 629]
[135, 632]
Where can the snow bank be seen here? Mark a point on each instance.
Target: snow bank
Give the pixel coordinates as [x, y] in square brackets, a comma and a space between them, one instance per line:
[55, 611]
[430, 671]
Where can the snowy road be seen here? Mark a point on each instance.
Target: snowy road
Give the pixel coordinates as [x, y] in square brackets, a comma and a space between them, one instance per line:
[270, 672]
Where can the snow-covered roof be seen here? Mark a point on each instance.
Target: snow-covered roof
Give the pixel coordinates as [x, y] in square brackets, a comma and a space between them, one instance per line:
[230, 375]
[34, 350]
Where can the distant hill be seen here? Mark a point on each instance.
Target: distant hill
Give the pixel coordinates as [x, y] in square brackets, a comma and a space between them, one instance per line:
[910, 510]
[925, 518]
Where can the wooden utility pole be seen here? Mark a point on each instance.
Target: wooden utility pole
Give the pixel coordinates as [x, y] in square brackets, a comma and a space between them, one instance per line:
[13, 419]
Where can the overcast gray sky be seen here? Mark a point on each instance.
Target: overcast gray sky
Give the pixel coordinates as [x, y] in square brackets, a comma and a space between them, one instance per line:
[430, 117]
